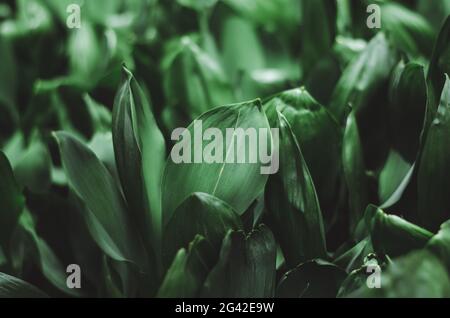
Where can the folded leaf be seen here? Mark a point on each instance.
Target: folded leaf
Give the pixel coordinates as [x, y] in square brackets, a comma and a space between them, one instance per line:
[140, 155]
[312, 125]
[293, 207]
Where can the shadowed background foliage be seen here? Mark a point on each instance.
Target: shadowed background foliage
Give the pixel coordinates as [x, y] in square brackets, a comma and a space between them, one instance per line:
[86, 116]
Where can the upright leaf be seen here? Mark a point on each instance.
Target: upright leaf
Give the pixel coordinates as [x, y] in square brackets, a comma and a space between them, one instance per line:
[363, 76]
[318, 31]
[293, 207]
[438, 67]
[439, 244]
[409, 31]
[107, 218]
[408, 98]
[433, 172]
[312, 124]
[193, 80]
[354, 171]
[140, 155]
[11, 203]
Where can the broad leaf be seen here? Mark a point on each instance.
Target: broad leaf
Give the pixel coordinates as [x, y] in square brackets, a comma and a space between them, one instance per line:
[221, 176]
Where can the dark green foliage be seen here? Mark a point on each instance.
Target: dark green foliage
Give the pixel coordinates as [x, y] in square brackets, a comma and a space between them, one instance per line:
[99, 162]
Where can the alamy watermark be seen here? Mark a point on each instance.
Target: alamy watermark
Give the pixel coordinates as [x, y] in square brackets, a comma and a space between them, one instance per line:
[236, 145]
[73, 20]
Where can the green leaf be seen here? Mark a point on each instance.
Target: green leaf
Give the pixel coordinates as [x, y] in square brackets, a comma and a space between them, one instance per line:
[242, 50]
[439, 244]
[100, 115]
[408, 98]
[392, 235]
[363, 76]
[353, 258]
[435, 12]
[140, 155]
[193, 80]
[312, 125]
[409, 31]
[313, 279]
[392, 175]
[208, 216]
[87, 57]
[188, 270]
[419, 274]
[271, 15]
[438, 67]
[357, 278]
[107, 218]
[246, 266]
[8, 80]
[33, 168]
[318, 30]
[433, 173]
[44, 257]
[13, 287]
[198, 5]
[354, 171]
[293, 207]
[222, 178]
[11, 203]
